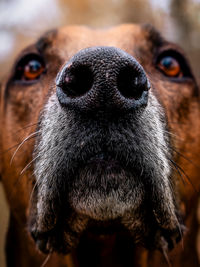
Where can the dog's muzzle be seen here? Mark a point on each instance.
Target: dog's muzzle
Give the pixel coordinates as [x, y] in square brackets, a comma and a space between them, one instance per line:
[102, 155]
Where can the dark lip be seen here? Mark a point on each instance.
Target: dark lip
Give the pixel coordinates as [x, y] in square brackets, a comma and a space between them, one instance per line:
[154, 238]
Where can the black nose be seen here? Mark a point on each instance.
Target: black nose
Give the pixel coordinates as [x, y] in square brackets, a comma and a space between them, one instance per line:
[102, 77]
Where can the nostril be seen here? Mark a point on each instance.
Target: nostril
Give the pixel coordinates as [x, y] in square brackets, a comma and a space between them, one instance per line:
[132, 82]
[77, 81]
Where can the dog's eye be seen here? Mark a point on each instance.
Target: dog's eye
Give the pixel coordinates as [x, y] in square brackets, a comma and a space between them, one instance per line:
[29, 68]
[170, 66]
[173, 64]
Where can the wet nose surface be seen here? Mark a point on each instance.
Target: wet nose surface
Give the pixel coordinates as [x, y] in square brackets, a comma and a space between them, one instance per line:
[102, 77]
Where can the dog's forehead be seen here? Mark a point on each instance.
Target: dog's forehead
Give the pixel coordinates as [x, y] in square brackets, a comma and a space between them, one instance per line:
[70, 39]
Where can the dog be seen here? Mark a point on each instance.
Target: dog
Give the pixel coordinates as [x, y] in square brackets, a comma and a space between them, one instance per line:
[100, 147]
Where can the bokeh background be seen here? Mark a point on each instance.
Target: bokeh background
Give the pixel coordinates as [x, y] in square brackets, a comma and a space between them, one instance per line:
[22, 21]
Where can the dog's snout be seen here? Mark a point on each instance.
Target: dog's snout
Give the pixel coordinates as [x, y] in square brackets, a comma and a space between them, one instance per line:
[100, 77]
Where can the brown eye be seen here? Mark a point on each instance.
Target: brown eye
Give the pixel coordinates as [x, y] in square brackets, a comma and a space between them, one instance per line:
[32, 70]
[29, 68]
[170, 66]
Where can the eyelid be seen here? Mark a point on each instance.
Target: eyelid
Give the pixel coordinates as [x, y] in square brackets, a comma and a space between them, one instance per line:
[28, 51]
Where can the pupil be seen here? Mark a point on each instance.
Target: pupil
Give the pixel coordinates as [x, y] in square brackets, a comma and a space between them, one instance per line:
[34, 65]
[167, 62]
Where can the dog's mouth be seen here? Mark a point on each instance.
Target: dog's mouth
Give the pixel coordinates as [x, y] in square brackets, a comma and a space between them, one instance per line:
[67, 233]
[106, 199]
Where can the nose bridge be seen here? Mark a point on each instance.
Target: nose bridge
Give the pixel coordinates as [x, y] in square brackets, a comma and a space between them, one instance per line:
[99, 77]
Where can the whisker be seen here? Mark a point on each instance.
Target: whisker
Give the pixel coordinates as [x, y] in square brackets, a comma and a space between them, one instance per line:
[172, 134]
[32, 192]
[187, 177]
[28, 166]
[178, 171]
[17, 181]
[46, 260]
[173, 148]
[177, 122]
[26, 127]
[25, 169]
[166, 257]
[181, 228]
[184, 157]
[10, 148]
[21, 144]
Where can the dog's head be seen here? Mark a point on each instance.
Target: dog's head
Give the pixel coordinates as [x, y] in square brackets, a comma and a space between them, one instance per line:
[103, 107]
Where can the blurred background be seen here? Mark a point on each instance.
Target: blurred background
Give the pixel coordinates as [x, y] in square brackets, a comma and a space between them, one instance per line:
[22, 21]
